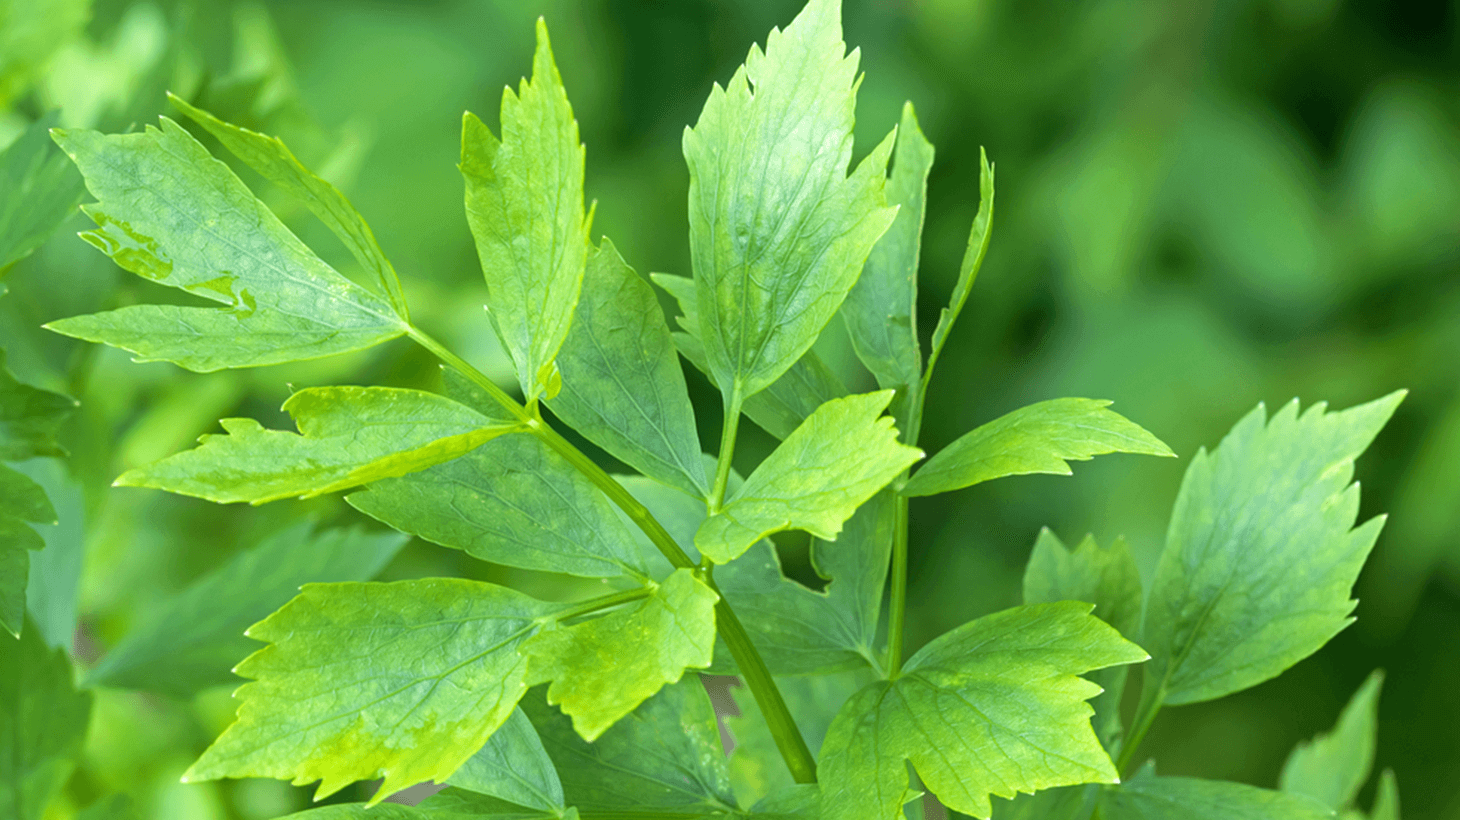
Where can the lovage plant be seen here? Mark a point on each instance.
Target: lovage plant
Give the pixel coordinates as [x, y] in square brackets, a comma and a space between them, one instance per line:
[433, 679]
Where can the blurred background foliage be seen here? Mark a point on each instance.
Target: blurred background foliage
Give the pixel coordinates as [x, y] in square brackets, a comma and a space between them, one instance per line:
[1202, 205]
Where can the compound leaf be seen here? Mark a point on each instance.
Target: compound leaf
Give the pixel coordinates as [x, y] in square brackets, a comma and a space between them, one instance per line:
[1039, 438]
[348, 436]
[1148, 797]
[171, 213]
[623, 388]
[1261, 552]
[193, 639]
[524, 203]
[1332, 767]
[1107, 578]
[602, 669]
[664, 758]
[403, 681]
[780, 408]
[881, 309]
[38, 190]
[778, 231]
[512, 501]
[992, 707]
[513, 766]
[815, 480]
[42, 724]
[275, 162]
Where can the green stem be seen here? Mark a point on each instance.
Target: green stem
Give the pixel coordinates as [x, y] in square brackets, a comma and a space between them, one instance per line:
[729, 429]
[614, 599]
[752, 666]
[897, 607]
[758, 678]
[1151, 700]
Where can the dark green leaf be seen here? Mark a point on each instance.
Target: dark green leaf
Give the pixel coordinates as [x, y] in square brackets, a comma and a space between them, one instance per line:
[42, 724]
[38, 190]
[1039, 438]
[348, 436]
[524, 202]
[1261, 553]
[623, 388]
[513, 766]
[778, 232]
[992, 708]
[512, 501]
[1148, 797]
[193, 639]
[171, 213]
[29, 418]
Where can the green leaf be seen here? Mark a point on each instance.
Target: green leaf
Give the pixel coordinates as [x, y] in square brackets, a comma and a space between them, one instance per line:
[1386, 801]
[193, 639]
[17, 540]
[1107, 578]
[664, 759]
[275, 162]
[29, 418]
[1064, 803]
[22, 498]
[1038, 438]
[978, 246]
[780, 408]
[992, 707]
[623, 388]
[348, 436]
[778, 232]
[602, 669]
[836, 460]
[451, 804]
[524, 203]
[1148, 797]
[402, 681]
[1332, 767]
[802, 631]
[42, 724]
[1261, 553]
[38, 191]
[512, 501]
[172, 213]
[881, 310]
[513, 766]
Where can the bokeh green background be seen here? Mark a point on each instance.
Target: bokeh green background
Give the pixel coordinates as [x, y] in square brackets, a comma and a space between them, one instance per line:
[1202, 206]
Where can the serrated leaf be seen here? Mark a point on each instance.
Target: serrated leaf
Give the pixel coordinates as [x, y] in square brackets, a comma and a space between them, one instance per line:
[42, 724]
[23, 499]
[978, 246]
[1148, 797]
[780, 408]
[602, 669]
[1039, 438]
[993, 707]
[1332, 767]
[171, 213]
[802, 631]
[275, 162]
[451, 804]
[513, 766]
[38, 191]
[664, 758]
[623, 388]
[778, 231]
[512, 501]
[193, 639]
[1107, 578]
[402, 681]
[348, 436]
[1261, 553]
[836, 460]
[524, 203]
[29, 418]
[881, 309]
